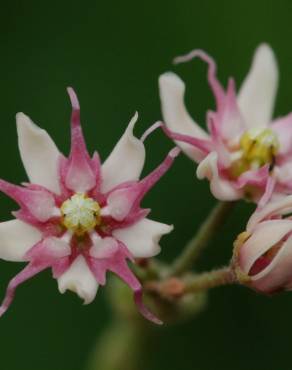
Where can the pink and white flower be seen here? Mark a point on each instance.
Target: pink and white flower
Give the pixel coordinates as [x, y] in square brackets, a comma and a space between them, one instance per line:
[262, 256]
[79, 217]
[244, 153]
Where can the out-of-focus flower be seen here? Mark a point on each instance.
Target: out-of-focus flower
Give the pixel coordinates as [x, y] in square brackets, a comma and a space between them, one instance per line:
[245, 153]
[79, 217]
[262, 257]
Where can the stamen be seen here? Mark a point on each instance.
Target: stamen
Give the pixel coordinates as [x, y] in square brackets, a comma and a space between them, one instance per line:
[80, 214]
[257, 147]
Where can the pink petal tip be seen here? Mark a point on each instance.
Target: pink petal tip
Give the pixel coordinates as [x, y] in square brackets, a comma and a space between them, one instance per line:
[174, 152]
[149, 131]
[138, 298]
[73, 98]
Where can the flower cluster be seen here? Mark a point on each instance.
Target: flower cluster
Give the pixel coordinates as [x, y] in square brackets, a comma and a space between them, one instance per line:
[82, 218]
[244, 154]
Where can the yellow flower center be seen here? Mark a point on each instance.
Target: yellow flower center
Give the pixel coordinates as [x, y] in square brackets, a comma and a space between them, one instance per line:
[80, 213]
[257, 147]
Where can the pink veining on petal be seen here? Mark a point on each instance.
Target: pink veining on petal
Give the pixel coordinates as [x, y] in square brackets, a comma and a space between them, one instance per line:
[124, 202]
[59, 266]
[29, 271]
[212, 78]
[80, 176]
[39, 203]
[48, 250]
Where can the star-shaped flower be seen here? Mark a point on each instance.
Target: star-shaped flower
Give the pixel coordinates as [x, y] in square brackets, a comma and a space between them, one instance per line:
[79, 217]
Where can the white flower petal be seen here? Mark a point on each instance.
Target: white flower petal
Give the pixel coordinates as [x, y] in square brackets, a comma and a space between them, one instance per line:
[263, 237]
[142, 238]
[39, 154]
[278, 272]
[79, 279]
[126, 161]
[282, 206]
[16, 238]
[257, 94]
[220, 188]
[175, 114]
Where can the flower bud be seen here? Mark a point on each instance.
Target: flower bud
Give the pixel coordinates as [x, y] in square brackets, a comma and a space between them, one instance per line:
[262, 256]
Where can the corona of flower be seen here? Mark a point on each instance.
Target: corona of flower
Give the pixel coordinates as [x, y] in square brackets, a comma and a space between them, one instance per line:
[245, 153]
[262, 256]
[78, 217]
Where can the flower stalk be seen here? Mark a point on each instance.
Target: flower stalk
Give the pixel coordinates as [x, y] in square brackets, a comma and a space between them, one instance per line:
[196, 245]
[210, 279]
[174, 288]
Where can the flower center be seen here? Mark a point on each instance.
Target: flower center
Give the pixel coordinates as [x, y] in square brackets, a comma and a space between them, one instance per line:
[257, 147]
[80, 213]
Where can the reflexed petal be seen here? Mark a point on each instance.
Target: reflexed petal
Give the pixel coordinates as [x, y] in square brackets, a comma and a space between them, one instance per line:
[144, 311]
[153, 177]
[16, 238]
[121, 201]
[39, 154]
[175, 114]
[28, 272]
[142, 238]
[264, 236]
[220, 188]
[256, 97]
[204, 145]
[79, 279]
[211, 74]
[126, 161]
[117, 263]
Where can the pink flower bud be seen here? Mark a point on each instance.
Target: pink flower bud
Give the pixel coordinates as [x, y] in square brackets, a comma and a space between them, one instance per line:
[262, 257]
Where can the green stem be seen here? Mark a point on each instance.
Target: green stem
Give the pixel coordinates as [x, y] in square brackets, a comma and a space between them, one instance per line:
[208, 280]
[196, 245]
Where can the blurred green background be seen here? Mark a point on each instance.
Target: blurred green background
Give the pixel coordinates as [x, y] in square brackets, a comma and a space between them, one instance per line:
[112, 53]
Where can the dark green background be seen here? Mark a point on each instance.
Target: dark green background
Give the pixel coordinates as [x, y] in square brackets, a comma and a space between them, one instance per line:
[112, 53]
